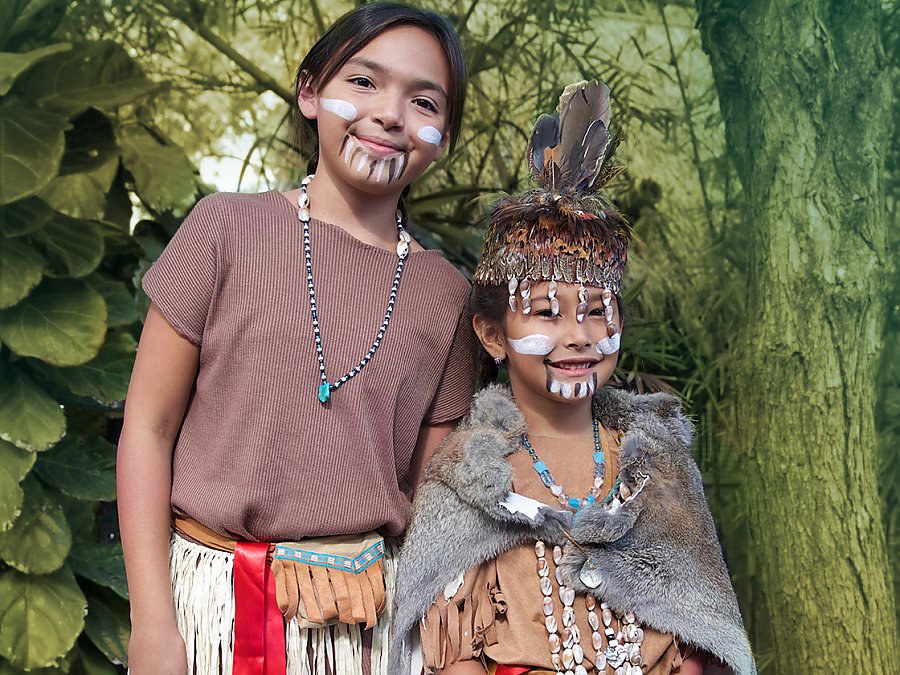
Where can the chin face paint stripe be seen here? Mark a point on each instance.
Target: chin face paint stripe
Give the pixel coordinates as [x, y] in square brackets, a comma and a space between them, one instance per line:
[343, 109]
[430, 135]
[533, 345]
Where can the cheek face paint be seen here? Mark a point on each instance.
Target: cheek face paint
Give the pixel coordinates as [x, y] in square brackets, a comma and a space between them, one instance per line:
[430, 135]
[377, 169]
[608, 345]
[533, 345]
[343, 109]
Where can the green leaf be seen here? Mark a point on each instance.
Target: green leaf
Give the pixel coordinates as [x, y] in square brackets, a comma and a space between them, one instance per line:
[31, 147]
[40, 617]
[90, 143]
[74, 247]
[20, 19]
[25, 217]
[108, 625]
[104, 378]
[15, 464]
[21, 269]
[121, 305]
[96, 74]
[81, 467]
[61, 322]
[40, 538]
[93, 662]
[81, 516]
[101, 563]
[82, 195]
[164, 176]
[29, 418]
[13, 65]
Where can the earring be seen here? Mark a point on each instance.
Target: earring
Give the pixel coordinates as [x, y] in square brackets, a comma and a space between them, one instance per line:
[498, 360]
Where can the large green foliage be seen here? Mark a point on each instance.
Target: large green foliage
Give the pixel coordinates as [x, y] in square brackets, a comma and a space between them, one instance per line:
[73, 151]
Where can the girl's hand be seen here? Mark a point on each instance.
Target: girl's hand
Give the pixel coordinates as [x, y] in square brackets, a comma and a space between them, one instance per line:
[157, 650]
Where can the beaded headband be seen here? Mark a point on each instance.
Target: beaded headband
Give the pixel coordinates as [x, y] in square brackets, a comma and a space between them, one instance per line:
[564, 230]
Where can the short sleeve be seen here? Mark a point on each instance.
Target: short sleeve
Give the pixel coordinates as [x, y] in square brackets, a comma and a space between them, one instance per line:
[457, 384]
[182, 282]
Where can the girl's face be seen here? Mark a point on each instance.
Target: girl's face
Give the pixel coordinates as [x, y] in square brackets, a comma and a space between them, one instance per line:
[555, 357]
[382, 119]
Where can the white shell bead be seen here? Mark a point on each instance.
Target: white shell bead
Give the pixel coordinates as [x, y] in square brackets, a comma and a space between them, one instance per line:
[557, 554]
[580, 670]
[546, 586]
[554, 643]
[548, 606]
[607, 616]
[512, 286]
[590, 602]
[512, 302]
[550, 623]
[567, 596]
[556, 660]
[597, 643]
[404, 235]
[559, 577]
[303, 200]
[600, 662]
[593, 621]
[303, 213]
[402, 248]
[578, 653]
[624, 491]
[539, 549]
[568, 638]
[568, 659]
[543, 567]
[568, 616]
[629, 617]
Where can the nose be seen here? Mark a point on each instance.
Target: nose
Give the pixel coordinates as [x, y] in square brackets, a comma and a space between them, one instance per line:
[388, 111]
[577, 337]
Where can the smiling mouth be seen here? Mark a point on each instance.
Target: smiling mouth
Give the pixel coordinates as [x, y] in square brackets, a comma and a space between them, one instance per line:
[377, 146]
[572, 368]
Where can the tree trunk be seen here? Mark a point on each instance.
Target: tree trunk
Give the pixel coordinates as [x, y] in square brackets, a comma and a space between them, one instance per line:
[803, 89]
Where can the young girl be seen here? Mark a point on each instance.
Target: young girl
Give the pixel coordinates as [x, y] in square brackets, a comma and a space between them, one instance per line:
[301, 359]
[563, 527]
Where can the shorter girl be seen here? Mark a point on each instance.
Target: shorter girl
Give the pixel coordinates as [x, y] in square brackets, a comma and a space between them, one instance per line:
[563, 526]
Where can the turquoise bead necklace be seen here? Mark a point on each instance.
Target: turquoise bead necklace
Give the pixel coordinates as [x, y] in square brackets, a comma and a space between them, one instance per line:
[572, 503]
[326, 388]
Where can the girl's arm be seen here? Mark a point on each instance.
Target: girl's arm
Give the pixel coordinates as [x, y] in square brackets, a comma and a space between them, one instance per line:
[161, 383]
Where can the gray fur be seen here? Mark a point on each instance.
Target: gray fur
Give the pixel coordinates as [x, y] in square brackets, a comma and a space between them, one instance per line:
[658, 554]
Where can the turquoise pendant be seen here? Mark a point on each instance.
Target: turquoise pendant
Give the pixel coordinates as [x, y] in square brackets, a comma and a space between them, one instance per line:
[324, 392]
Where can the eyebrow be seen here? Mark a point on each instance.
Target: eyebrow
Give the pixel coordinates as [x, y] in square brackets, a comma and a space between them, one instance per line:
[420, 84]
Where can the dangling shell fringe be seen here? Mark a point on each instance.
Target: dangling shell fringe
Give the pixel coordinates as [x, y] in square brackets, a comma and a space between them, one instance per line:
[203, 591]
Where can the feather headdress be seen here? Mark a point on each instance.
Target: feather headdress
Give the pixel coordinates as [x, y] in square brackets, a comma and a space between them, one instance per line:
[564, 230]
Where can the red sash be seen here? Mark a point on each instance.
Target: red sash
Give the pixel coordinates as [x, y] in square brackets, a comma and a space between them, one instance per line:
[258, 623]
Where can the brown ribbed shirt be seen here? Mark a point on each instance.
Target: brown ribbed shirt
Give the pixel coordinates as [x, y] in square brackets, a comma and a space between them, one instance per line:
[258, 457]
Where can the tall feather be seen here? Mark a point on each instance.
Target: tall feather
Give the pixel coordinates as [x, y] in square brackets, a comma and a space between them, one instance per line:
[544, 140]
[584, 133]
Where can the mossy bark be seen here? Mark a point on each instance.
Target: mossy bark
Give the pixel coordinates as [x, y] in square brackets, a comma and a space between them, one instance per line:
[804, 92]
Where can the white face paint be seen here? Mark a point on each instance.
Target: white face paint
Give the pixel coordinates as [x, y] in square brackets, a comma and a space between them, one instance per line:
[533, 345]
[609, 345]
[343, 109]
[430, 135]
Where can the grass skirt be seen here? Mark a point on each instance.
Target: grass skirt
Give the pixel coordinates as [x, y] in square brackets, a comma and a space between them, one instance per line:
[204, 606]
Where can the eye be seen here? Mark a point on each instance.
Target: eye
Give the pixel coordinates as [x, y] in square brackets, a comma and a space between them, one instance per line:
[599, 311]
[544, 313]
[425, 104]
[362, 81]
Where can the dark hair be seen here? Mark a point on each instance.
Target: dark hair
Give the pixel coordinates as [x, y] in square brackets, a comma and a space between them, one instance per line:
[490, 303]
[357, 28]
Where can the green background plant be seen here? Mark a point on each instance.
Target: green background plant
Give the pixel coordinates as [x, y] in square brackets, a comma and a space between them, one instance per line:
[91, 143]
[73, 153]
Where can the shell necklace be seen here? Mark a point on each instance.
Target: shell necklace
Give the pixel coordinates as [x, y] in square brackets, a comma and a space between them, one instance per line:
[623, 648]
[326, 388]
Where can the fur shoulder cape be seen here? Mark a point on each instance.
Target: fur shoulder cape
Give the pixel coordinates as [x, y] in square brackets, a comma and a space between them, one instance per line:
[658, 554]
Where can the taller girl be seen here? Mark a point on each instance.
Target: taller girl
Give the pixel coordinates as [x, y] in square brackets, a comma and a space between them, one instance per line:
[301, 359]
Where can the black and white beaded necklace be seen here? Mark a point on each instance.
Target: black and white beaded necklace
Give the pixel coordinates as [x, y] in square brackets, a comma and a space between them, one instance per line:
[326, 388]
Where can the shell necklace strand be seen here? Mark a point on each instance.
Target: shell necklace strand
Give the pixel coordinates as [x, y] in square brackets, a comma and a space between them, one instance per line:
[326, 388]
[623, 648]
